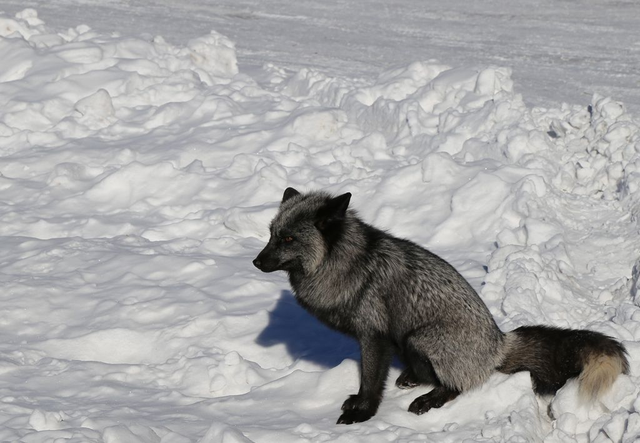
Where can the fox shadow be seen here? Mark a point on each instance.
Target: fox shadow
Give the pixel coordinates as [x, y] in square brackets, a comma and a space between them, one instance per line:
[304, 336]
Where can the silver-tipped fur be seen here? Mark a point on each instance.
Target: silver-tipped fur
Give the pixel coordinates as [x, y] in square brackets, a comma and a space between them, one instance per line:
[396, 297]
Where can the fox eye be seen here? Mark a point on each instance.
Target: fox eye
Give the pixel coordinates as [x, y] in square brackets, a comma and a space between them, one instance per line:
[287, 239]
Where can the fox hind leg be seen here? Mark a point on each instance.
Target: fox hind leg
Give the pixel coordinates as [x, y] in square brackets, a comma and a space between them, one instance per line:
[433, 399]
[437, 397]
[419, 371]
[407, 379]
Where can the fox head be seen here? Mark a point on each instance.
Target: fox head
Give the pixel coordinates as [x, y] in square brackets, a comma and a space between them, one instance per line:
[303, 231]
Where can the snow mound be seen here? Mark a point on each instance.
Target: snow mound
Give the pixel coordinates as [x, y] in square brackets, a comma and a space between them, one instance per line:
[137, 180]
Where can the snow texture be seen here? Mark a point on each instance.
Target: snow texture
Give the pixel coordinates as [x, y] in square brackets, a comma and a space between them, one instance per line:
[137, 182]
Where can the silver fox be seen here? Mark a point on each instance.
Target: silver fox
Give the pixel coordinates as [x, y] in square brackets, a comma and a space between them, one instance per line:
[396, 297]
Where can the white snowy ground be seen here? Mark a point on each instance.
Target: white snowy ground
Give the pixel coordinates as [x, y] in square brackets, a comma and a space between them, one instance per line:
[137, 181]
[559, 50]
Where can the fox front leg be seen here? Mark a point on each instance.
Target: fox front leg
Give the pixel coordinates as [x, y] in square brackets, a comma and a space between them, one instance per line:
[376, 355]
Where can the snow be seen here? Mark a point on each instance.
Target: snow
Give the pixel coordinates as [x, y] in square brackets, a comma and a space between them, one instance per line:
[138, 178]
[559, 51]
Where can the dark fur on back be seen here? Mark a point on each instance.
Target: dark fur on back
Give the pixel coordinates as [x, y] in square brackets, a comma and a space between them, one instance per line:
[397, 297]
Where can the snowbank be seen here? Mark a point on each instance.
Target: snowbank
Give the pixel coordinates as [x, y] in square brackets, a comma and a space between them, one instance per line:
[137, 181]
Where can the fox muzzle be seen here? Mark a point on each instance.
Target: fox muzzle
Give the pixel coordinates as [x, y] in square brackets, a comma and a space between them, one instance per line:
[266, 262]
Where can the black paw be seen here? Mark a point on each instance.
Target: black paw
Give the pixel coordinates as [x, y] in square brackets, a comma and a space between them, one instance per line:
[434, 399]
[421, 405]
[407, 380]
[354, 416]
[357, 409]
[355, 402]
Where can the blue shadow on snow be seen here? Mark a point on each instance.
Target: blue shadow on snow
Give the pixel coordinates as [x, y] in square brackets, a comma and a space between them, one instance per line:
[305, 336]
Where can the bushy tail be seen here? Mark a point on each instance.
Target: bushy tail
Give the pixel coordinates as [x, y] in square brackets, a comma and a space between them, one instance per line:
[554, 355]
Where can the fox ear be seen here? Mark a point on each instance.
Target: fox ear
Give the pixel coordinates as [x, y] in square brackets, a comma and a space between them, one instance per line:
[288, 193]
[333, 211]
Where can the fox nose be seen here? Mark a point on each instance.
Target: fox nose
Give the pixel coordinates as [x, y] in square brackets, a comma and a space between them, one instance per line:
[257, 263]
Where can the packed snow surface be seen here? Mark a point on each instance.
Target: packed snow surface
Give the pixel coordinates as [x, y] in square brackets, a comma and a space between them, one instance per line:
[559, 50]
[137, 182]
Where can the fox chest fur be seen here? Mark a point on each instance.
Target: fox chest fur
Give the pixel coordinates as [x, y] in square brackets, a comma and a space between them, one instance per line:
[340, 303]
